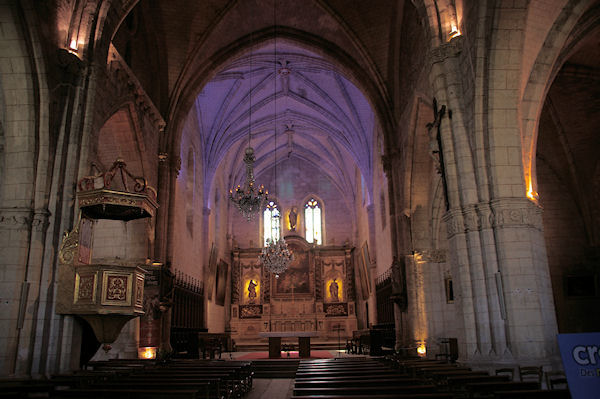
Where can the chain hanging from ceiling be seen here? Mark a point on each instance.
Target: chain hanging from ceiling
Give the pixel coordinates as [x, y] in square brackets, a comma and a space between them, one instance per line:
[249, 199]
[276, 256]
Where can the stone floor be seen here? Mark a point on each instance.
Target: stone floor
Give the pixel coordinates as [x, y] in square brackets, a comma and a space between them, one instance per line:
[276, 388]
[271, 388]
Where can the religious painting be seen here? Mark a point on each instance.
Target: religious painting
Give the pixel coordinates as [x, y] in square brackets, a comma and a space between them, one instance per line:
[364, 264]
[212, 269]
[296, 279]
[221, 282]
[85, 241]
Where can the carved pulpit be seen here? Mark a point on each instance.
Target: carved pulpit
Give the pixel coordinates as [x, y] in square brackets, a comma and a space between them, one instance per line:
[110, 294]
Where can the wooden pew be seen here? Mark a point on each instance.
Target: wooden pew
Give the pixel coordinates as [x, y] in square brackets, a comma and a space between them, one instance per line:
[23, 388]
[225, 378]
[361, 382]
[234, 377]
[203, 389]
[399, 377]
[124, 394]
[380, 396]
[534, 394]
[367, 391]
[354, 373]
[458, 382]
[476, 389]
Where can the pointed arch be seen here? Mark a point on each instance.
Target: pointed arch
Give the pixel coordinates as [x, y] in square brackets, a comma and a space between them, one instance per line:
[314, 219]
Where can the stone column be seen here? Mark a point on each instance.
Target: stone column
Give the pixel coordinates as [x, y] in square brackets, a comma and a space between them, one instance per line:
[398, 226]
[160, 243]
[525, 280]
[497, 251]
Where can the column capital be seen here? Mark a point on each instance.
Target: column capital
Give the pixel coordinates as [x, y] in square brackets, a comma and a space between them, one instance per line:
[516, 212]
[447, 50]
[15, 218]
[499, 213]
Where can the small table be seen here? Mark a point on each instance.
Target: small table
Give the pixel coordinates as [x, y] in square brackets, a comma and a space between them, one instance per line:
[275, 342]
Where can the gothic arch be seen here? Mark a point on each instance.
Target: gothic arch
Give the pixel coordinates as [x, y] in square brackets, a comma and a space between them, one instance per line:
[441, 18]
[206, 70]
[302, 225]
[564, 34]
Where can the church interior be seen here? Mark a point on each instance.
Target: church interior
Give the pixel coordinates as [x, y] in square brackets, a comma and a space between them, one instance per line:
[380, 180]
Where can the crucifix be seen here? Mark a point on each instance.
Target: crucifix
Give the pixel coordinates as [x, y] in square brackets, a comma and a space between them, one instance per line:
[436, 146]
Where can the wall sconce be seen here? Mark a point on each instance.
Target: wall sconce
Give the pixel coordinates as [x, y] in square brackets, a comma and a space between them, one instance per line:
[421, 350]
[531, 193]
[148, 352]
[73, 46]
[453, 32]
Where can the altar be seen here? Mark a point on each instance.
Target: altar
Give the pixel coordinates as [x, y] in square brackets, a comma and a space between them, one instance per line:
[315, 297]
[275, 342]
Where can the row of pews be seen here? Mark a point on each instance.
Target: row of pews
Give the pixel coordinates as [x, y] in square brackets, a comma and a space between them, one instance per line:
[361, 377]
[119, 379]
[357, 377]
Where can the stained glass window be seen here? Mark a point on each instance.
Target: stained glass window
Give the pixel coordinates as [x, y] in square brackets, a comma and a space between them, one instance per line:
[312, 221]
[271, 222]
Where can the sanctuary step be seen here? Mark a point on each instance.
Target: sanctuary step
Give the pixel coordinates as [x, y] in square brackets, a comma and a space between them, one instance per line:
[314, 345]
[279, 368]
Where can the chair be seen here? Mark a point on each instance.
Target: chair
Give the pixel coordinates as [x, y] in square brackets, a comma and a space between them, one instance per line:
[531, 373]
[554, 378]
[509, 371]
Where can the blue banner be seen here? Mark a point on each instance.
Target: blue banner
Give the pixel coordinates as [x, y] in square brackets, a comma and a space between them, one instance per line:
[581, 359]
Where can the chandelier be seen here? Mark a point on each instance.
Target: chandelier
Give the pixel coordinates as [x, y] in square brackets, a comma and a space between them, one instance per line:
[276, 256]
[247, 198]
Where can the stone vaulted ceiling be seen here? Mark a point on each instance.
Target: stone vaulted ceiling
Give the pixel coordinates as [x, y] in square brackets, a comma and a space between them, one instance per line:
[318, 115]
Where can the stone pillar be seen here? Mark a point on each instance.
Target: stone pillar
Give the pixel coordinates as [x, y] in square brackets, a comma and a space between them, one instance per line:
[398, 228]
[160, 243]
[496, 246]
[525, 281]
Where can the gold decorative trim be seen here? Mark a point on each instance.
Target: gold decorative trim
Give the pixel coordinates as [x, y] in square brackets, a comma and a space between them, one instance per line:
[85, 287]
[68, 247]
[139, 291]
[116, 288]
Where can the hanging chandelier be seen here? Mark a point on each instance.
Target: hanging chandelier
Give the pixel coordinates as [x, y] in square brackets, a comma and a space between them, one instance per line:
[276, 256]
[247, 198]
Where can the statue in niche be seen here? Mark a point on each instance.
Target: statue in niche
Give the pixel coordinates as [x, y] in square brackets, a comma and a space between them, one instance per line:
[252, 291]
[293, 218]
[333, 290]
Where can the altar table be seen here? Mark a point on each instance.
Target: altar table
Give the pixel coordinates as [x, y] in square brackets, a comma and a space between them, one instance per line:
[275, 342]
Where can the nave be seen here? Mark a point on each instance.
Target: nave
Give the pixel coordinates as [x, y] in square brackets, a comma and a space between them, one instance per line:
[347, 376]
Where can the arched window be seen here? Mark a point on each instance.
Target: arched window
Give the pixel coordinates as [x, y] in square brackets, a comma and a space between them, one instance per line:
[271, 222]
[312, 221]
